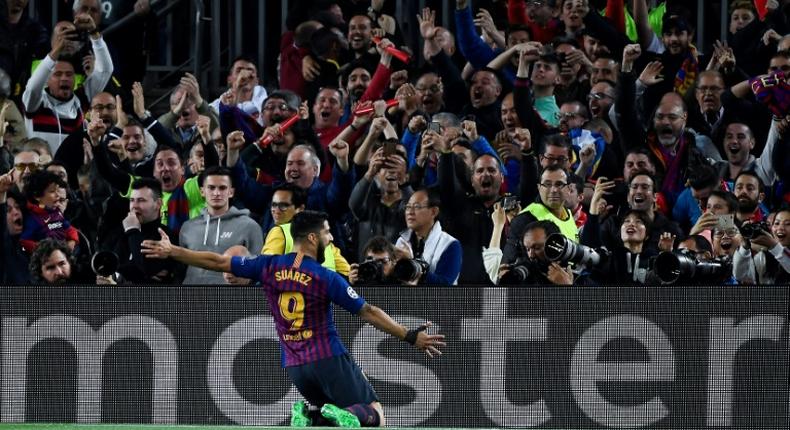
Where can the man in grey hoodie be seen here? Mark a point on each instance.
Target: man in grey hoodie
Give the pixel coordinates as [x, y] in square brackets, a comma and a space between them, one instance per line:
[219, 226]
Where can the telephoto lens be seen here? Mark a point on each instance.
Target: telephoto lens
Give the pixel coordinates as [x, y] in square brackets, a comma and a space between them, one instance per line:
[406, 270]
[560, 248]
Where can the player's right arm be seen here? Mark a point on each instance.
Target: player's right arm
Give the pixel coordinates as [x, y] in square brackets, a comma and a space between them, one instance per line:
[204, 259]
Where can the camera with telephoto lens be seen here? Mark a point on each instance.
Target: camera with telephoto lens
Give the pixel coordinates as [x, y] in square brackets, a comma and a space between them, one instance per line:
[406, 270]
[752, 230]
[560, 248]
[682, 264]
[105, 263]
[370, 272]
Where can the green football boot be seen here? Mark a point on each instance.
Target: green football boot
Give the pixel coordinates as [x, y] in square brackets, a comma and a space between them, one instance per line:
[299, 416]
[339, 417]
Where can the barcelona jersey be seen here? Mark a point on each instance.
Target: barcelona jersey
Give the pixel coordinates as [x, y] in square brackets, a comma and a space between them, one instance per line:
[300, 294]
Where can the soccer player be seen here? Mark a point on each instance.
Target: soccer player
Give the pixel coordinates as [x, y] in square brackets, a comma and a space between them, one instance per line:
[300, 293]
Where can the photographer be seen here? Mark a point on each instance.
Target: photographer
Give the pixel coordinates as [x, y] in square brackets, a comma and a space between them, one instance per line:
[378, 257]
[424, 244]
[531, 266]
[764, 259]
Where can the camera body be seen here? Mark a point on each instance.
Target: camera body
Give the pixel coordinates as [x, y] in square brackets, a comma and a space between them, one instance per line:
[370, 272]
[518, 272]
[752, 230]
[407, 270]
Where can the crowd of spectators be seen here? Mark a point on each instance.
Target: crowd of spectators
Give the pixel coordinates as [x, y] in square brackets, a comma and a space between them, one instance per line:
[539, 142]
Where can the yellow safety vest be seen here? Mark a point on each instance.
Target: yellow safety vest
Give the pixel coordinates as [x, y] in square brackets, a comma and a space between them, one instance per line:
[567, 228]
[329, 252]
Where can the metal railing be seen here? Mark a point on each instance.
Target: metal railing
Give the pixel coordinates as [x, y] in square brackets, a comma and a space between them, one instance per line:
[223, 26]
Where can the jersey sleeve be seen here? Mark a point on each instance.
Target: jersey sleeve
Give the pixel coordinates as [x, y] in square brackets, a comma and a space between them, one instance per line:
[344, 295]
[250, 268]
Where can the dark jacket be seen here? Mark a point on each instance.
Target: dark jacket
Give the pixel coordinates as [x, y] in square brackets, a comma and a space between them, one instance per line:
[135, 268]
[374, 218]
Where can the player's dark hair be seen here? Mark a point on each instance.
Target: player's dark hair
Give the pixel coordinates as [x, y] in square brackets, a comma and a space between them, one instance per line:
[307, 222]
[150, 183]
[298, 194]
[39, 181]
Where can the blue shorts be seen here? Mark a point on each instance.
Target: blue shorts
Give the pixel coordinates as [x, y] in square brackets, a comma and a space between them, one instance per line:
[337, 380]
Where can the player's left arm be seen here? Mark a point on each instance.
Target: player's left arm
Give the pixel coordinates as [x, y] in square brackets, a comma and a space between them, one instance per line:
[423, 341]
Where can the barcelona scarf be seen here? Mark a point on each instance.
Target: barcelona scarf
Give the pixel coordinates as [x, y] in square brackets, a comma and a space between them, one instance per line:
[687, 74]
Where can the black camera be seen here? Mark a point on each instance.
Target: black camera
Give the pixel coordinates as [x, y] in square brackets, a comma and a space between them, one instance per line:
[509, 202]
[370, 272]
[518, 273]
[406, 270]
[105, 263]
[560, 248]
[752, 230]
[672, 266]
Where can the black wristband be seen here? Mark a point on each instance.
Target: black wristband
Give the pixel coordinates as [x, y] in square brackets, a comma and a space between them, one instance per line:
[411, 335]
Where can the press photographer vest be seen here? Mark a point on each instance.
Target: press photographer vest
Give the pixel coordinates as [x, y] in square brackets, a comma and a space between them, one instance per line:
[329, 254]
[567, 227]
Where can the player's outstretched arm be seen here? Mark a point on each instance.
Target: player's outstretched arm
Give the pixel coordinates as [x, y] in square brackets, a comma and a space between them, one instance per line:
[164, 249]
[430, 343]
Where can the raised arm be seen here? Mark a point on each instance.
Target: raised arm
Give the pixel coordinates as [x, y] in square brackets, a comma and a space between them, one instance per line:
[643, 29]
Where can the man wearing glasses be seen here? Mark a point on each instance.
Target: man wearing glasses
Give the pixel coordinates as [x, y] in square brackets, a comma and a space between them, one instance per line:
[25, 163]
[553, 191]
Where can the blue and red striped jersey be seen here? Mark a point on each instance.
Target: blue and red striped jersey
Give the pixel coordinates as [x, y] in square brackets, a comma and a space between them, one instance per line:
[301, 293]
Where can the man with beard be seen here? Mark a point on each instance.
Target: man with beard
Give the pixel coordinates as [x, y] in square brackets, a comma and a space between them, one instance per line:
[300, 295]
[468, 215]
[750, 192]
[50, 90]
[430, 91]
[604, 68]
[681, 61]
[677, 150]
[360, 38]
[26, 162]
[572, 115]
[51, 263]
[642, 196]
[13, 260]
[144, 222]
